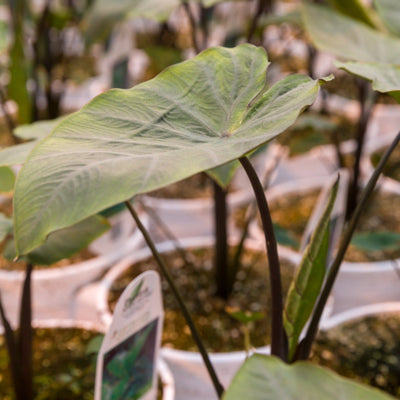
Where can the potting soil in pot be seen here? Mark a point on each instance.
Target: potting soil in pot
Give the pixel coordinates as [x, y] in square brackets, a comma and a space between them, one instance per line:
[366, 349]
[392, 167]
[63, 367]
[195, 281]
[382, 214]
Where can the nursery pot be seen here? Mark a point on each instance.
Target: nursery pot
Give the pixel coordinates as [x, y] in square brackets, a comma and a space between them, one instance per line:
[73, 332]
[54, 288]
[191, 378]
[363, 344]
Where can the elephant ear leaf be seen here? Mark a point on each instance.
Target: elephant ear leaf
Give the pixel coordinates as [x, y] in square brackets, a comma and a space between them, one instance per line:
[268, 378]
[306, 286]
[194, 116]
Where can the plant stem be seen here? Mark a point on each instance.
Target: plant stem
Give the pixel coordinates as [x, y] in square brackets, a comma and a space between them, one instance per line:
[217, 385]
[26, 336]
[262, 6]
[278, 342]
[306, 344]
[193, 25]
[367, 103]
[221, 242]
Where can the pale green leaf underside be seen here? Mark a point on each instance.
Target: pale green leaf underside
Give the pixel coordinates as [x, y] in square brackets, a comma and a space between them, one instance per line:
[384, 77]
[347, 38]
[268, 378]
[37, 130]
[192, 117]
[306, 286]
[389, 11]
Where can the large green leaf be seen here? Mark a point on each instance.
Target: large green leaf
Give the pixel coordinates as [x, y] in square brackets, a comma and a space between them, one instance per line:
[65, 242]
[347, 38]
[194, 116]
[384, 77]
[17, 154]
[104, 14]
[389, 11]
[305, 287]
[268, 378]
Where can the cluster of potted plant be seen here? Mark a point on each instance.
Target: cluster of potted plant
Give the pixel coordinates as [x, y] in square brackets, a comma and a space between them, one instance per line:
[207, 117]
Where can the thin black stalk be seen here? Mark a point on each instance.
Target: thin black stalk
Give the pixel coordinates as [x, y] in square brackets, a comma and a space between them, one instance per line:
[221, 242]
[195, 334]
[193, 26]
[205, 17]
[278, 338]
[12, 351]
[367, 100]
[312, 330]
[263, 6]
[26, 335]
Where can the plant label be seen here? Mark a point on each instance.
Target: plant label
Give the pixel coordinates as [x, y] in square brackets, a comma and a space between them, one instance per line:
[126, 364]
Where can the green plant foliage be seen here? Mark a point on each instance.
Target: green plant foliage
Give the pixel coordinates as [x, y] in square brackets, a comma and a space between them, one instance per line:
[7, 179]
[306, 286]
[355, 9]
[103, 14]
[389, 11]
[376, 241]
[6, 226]
[384, 77]
[194, 116]
[347, 38]
[284, 237]
[15, 155]
[63, 243]
[268, 378]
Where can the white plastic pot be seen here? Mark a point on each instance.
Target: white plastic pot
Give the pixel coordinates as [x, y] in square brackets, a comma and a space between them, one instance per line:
[54, 289]
[191, 377]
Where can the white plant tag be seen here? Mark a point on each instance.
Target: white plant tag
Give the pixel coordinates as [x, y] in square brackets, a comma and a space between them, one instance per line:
[126, 364]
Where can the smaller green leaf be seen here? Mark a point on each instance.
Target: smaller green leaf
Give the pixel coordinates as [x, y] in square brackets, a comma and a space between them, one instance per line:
[245, 317]
[37, 130]
[94, 345]
[268, 378]
[284, 237]
[306, 286]
[7, 179]
[385, 78]
[6, 226]
[63, 243]
[376, 241]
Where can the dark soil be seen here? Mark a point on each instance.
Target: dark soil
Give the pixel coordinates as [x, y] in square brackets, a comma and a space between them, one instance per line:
[196, 282]
[366, 350]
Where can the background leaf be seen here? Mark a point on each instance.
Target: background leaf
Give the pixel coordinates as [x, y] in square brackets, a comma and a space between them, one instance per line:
[7, 179]
[389, 11]
[376, 241]
[6, 226]
[194, 116]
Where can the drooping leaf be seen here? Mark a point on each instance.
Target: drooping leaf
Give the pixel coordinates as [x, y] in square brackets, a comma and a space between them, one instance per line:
[389, 11]
[7, 179]
[356, 10]
[37, 130]
[384, 77]
[63, 243]
[344, 37]
[376, 241]
[104, 14]
[6, 226]
[305, 287]
[268, 378]
[194, 116]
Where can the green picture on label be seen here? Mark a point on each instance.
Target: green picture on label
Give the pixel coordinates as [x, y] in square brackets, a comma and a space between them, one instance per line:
[128, 368]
